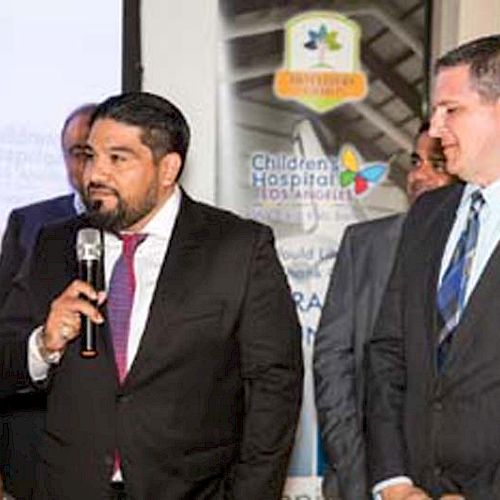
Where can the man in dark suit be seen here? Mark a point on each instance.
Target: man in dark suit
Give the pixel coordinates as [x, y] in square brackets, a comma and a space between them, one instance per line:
[22, 415]
[433, 402]
[362, 268]
[196, 388]
[25, 222]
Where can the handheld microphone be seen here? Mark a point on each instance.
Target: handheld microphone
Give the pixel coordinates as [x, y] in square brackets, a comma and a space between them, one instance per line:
[89, 252]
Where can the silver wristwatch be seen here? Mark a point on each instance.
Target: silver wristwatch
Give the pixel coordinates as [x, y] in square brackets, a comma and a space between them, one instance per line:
[50, 357]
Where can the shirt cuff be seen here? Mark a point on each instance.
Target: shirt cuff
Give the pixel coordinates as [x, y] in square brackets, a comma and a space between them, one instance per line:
[38, 368]
[377, 489]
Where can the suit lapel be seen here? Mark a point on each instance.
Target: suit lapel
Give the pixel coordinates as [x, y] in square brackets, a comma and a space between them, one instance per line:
[485, 289]
[178, 275]
[381, 254]
[439, 226]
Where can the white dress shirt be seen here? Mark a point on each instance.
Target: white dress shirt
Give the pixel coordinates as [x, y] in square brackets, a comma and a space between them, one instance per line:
[488, 236]
[78, 203]
[487, 241]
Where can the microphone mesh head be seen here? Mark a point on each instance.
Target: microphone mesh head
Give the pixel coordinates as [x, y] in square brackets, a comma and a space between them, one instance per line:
[88, 244]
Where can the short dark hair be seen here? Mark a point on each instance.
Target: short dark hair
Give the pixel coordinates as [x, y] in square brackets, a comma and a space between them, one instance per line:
[164, 127]
[84, 109]
[482, 55]
[424, 127]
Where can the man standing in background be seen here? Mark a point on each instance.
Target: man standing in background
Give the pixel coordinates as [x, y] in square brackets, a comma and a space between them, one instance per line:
[362, 268]
[433, 396]
[25, 222]
[22, 415]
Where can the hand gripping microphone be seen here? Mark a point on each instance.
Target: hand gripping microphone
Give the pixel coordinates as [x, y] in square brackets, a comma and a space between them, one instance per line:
[89, 252]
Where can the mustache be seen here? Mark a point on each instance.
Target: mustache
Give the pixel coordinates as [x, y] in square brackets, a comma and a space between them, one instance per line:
[95, 205]
[101, 186]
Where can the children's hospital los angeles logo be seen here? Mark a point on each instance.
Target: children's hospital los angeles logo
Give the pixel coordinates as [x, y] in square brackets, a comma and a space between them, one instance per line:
[280, 177]
[322, 62]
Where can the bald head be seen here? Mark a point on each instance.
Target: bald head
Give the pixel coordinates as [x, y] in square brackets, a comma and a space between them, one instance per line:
[73, 139]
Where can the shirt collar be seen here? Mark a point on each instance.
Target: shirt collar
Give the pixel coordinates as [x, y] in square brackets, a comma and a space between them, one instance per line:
[78, 203]
[162, 224]
[491, 194]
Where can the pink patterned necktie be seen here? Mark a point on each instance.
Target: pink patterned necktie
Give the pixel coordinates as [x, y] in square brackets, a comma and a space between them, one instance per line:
[121, 299]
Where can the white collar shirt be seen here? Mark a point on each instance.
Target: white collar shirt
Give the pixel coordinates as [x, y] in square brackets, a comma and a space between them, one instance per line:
[148, 260]
[488, 236]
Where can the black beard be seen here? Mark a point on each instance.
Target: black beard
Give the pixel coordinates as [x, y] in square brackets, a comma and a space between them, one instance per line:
[112, 222]
[120, 218]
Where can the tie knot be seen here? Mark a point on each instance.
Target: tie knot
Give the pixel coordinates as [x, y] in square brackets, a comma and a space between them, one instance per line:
[131, 242]
[476, 201]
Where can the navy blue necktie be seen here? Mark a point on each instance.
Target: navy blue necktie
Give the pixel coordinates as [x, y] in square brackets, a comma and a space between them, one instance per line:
[451, 293]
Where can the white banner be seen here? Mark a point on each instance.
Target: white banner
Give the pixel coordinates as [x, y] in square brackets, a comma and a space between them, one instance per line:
[275, 166]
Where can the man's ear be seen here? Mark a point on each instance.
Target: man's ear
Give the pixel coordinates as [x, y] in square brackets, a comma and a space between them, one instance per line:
[170, 166]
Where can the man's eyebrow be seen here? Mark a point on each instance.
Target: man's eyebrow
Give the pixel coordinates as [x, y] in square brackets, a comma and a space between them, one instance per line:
[112, 149]
[121, 149]
[445, 102]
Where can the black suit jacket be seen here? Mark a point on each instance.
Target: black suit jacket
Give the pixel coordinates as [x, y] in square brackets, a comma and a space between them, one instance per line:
[210, 405]
[20, 235]
[359, 278]
[22, 415]
[440, 429]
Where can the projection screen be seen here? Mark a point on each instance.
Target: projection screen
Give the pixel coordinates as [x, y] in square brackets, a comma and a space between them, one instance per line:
[55, 55]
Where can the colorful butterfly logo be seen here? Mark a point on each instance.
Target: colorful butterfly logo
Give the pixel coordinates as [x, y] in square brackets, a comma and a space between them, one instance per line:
[329, 38]
[370, 173]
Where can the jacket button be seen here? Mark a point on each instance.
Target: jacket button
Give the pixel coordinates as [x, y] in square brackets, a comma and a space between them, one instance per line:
[438, 471]
[108, 460]
[124, 398]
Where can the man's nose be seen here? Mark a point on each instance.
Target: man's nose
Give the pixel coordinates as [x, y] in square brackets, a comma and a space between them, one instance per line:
[436, 123]
[97, 168]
